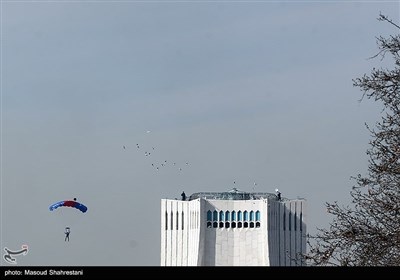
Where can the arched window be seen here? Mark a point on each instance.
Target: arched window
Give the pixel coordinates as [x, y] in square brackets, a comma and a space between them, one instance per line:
[227, 216]
[166, 220]
[258, 224]
[177, 219]
[240, 216]
[258, 216]
[209, 215]
[221, 215]
[215, 215]
[245, 216]
[240, 225]
[182, 220]
[233, 215]
[172, 220]
[251, 215]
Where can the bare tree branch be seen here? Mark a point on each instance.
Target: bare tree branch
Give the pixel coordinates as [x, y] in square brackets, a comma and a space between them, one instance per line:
[367, 232]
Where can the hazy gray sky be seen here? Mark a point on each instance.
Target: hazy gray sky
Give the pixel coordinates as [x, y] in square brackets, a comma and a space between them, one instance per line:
[252, 92]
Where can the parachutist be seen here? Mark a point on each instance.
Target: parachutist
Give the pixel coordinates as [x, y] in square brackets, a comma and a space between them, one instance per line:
[67, 232]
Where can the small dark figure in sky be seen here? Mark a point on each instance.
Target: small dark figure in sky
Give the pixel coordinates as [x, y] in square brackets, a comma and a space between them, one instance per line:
[183, 196]
[67, 232]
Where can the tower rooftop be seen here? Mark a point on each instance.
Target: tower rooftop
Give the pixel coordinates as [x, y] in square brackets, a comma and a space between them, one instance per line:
[233, 194]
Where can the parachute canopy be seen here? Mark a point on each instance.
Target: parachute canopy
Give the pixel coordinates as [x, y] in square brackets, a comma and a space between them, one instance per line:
[69, 203]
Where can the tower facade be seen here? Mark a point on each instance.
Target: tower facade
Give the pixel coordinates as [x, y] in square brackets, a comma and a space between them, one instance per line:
[232, 228]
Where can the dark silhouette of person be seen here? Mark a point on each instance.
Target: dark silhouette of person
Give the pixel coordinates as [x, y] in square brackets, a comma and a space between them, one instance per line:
[278, 194]
[67, 232]
[183, 195]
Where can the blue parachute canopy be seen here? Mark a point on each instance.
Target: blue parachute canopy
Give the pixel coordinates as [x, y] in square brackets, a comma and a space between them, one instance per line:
[69, 203]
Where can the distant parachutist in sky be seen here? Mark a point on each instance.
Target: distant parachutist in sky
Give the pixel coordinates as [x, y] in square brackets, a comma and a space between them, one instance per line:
[67, 232]
[69, 204]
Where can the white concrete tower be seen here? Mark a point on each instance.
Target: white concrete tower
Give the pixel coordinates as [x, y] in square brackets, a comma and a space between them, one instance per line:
[232, 228]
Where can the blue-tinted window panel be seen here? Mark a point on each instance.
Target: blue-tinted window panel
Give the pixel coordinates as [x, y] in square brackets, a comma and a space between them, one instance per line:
[209, 215]
[233, 215]
[221, 215]
[227, 216]
[251, 215]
